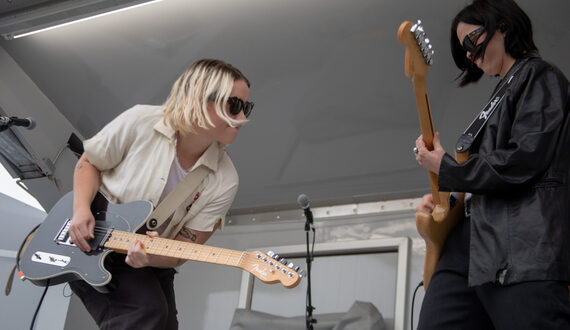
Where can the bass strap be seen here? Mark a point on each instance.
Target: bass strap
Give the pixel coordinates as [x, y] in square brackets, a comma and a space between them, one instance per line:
[468, 137]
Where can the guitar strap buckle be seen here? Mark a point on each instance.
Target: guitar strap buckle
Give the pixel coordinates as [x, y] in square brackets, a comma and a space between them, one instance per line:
[464, 142]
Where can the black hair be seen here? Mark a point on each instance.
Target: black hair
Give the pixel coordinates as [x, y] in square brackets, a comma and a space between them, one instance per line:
[493, 15]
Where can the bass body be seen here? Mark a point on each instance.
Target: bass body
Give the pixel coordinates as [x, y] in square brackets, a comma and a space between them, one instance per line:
[435, 227]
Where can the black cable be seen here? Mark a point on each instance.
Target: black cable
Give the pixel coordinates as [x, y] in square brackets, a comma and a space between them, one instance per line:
[63, 291]
[39, 305]
[413, 300]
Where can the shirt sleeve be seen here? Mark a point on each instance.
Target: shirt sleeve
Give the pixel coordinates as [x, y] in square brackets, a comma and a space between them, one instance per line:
[539, 108]
[108, 147]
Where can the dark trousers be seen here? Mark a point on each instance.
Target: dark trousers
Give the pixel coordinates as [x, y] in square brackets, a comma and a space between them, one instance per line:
[143, 298]
[450, 303]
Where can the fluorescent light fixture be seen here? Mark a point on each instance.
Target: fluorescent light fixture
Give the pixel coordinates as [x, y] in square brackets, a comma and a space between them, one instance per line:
[53, 14]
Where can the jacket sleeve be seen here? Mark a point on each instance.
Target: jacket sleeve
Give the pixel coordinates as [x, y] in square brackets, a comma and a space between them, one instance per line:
[537, 110]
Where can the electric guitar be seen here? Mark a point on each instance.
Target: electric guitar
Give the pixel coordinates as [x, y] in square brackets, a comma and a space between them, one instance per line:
[433, 227]
[50, 257]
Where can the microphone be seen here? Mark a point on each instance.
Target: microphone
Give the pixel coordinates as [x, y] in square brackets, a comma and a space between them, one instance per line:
[303, 202]
[6, 122]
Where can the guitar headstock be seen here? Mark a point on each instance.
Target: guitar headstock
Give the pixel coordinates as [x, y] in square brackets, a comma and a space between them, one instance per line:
[419, 51]
[269, 268]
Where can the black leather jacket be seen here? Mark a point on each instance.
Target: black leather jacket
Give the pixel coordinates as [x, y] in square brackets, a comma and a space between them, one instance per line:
[519, 174]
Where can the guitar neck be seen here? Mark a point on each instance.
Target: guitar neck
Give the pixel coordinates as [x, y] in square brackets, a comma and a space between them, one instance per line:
[426, 125]
[424, 110]
[119, 241]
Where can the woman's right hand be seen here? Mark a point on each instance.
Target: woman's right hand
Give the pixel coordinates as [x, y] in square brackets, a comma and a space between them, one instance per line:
[426, 205]
[82, 228]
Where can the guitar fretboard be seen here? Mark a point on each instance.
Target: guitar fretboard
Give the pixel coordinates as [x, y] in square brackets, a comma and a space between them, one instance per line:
[120, 241]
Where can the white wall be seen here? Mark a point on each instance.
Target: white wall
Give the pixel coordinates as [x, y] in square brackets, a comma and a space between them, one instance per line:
[207, 295]
[212, 291]
[17, 309]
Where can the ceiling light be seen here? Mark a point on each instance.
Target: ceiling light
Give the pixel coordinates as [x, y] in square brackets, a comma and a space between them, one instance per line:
[53, 14]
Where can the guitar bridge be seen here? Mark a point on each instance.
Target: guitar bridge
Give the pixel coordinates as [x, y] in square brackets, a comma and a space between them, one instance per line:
[63, 237]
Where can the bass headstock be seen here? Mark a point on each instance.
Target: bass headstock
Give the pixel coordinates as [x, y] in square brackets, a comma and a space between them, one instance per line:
[269, 268]
[419, 51]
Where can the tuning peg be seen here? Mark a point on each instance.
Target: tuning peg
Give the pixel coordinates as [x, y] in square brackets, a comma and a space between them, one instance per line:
[276, 257]
[290, 265]
[297, 268]
[302, 273]
[415, 26]
[270, 253]
[283, 261]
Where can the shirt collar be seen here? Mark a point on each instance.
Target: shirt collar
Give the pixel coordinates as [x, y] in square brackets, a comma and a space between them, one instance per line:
[165, 129]
[210, 158]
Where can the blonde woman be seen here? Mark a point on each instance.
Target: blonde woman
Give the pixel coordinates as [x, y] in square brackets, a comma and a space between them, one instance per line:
[142, 155]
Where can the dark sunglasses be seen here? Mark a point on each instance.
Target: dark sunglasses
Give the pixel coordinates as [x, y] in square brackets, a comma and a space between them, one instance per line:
[237, 105]
[469, 43]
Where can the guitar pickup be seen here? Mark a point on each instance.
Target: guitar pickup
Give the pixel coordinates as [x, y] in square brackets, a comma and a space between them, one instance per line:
[51, 259]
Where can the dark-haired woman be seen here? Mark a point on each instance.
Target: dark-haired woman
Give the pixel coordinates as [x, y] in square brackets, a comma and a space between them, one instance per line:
[507, 265]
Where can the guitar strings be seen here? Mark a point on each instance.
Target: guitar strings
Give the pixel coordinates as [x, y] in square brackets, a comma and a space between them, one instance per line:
[155, 244]
[158, 243]
[214, 255]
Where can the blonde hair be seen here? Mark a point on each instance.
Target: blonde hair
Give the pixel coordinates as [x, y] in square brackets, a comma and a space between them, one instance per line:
[186, 108]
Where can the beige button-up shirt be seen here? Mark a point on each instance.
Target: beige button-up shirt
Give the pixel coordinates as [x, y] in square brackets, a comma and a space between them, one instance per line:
[134, 153]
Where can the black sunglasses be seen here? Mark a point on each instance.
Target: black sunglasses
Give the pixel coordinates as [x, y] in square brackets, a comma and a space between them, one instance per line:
[469, 43]
[237, 105]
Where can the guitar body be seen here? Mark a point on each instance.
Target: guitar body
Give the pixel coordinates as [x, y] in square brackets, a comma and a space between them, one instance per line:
[434, 234]
[50, 255]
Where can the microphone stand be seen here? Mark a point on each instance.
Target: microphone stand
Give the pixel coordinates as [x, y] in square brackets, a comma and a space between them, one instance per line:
[309, 320]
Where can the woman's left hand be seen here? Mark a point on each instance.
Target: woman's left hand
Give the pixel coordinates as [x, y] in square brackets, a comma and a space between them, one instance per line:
[430, 160]
[136, 255]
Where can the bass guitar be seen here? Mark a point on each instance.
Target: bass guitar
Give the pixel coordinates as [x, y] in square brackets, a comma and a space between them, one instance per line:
[433, 227]
[50, 257]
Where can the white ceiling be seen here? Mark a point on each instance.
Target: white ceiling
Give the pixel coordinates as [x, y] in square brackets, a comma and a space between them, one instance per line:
[335, 116]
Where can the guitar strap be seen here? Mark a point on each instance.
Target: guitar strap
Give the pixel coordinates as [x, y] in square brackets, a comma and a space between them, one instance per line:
[23, 246]
[468, 137]
[176, 197]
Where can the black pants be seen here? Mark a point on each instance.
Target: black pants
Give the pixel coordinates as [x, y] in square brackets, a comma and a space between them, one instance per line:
[450, 303]
[143, 298]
